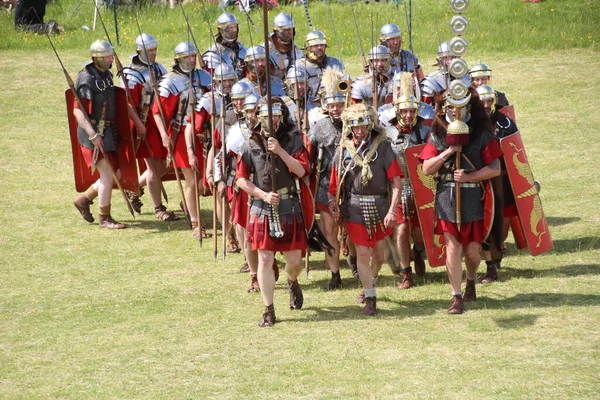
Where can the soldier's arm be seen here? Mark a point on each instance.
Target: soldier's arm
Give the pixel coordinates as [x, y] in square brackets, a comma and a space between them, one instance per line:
[433, 164]
[84, 122]
[139, 125]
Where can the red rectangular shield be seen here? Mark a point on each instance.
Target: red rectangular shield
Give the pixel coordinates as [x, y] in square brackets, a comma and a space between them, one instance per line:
[424, 187]
[529, 205]
[126, 152]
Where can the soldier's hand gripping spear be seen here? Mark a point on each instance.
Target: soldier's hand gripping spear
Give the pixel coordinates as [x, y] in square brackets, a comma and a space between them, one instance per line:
[88, 120]
[133, 109]
[162, 127]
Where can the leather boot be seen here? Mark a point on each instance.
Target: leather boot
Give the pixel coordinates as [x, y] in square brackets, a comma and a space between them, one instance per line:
[457, 306]
[296, 297]
[233, 246]
[254, 287]
[335, 282]
[268, 317]
[106, 220]
[370, 306]
[134, 199]
[245, 267]
[492, 272]
[407, 279]
[419, 262]
[82, 204]
[470, 292]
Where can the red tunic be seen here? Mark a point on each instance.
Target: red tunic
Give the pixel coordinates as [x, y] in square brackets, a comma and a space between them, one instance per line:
[258, 226]
[469, 231]
[358, 232]
[180, 156]
[152, 134]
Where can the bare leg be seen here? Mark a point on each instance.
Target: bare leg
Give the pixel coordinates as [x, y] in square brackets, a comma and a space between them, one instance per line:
[454, 263]
[266, 277]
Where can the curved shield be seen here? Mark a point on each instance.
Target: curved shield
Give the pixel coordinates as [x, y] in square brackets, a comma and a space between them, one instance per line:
[126, 147]
[529, 205]
[424, 190]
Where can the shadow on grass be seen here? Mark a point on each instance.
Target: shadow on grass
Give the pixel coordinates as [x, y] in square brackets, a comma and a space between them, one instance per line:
[565, 270]
[516, 321]
[558, 221]
[419, 308]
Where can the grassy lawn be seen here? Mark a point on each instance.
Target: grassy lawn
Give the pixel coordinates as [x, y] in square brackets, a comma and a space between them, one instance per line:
[144, 313]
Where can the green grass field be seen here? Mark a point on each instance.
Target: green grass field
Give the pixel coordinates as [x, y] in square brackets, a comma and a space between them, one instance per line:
[144, 313]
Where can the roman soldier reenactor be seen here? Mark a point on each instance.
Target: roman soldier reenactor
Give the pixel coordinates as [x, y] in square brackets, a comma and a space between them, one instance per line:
[268, 170]
[504, 198]
[402, 60]
[227, 48]
[324, 137]
[382, 72]
[463, 152]
[99, 139]
[256, 75]
[364, 168]
[407, 131]
[481, 74]
[151, 149]
[283, 52]
[174, 91]
[316, 60]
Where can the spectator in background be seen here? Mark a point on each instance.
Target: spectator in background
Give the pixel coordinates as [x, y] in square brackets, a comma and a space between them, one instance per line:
[29, 15]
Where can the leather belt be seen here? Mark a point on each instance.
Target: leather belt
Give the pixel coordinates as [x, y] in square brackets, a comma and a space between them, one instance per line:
[106, 123]
[462, 185]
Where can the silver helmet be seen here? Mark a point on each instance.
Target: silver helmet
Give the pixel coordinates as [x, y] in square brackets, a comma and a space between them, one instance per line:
[99, 50]
[389, 31]
[251, 101]
[144, 43]
[444, 50]
[283, 21]
[480, 69]
[240, 90]
[314, 38]
[225, 20]
[293, 76]
[182, 51]
[486, 92]
[223, 72]
[379, 53]
[255, 53]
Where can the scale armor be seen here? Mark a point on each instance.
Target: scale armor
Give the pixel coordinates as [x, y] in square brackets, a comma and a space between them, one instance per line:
[471, 194]
[325, 135]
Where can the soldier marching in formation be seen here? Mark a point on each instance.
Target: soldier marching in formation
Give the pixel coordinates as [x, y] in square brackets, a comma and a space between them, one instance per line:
[357, 153]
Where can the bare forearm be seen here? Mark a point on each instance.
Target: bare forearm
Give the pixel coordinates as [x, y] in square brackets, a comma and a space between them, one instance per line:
[433, 165]
[84, 122]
